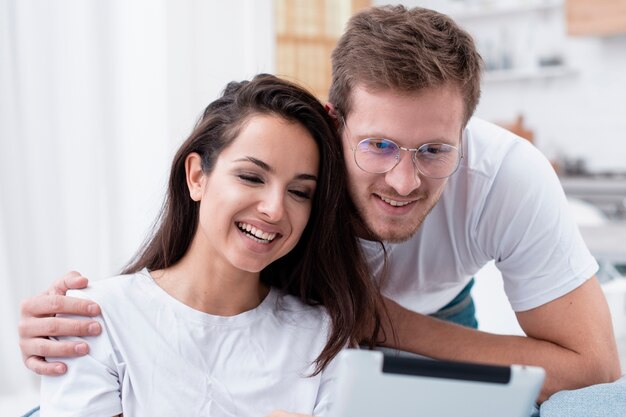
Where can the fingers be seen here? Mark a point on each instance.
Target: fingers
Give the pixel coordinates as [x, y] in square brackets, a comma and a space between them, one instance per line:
[48, 305]
[40, 347]
[37, 323]
[71, 280]
[35, 350]
[56, 326]
[41, 367]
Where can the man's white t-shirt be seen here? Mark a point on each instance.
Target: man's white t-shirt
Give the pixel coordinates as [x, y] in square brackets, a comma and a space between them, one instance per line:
[505, 203]
[158, 357]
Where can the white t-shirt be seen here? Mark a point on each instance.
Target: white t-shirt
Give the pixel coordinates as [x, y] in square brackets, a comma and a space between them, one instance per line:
[158, 357]
[505, 203]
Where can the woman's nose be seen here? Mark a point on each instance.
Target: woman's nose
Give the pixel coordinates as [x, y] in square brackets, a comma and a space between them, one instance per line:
[272, 205]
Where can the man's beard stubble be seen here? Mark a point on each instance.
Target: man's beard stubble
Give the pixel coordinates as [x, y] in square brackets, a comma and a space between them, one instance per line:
[366, 231]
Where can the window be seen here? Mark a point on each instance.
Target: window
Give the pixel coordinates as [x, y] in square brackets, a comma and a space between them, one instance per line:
[306, 33]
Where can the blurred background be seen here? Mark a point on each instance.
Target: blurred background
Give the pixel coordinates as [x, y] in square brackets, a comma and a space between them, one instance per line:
[95, 96]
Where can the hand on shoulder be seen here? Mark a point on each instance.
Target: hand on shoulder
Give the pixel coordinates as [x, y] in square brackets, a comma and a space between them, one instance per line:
[38, 323]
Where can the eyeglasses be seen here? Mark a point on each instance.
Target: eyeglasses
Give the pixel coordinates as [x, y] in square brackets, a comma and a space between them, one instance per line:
[433, 160]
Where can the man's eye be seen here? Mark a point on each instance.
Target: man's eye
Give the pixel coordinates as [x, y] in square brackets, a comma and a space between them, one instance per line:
[432, 149]
[435, 150]
[381, 146]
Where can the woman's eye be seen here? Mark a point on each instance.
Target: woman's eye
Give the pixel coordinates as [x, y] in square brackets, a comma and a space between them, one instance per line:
[301, 194]
[250, 178]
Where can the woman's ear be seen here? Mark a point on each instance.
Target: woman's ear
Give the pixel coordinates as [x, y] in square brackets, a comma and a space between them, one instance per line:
[333, 113]
[195, 176]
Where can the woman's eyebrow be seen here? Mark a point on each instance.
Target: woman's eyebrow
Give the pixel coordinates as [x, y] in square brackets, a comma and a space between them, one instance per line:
[306, 177]
[256, 162]
[269, 169]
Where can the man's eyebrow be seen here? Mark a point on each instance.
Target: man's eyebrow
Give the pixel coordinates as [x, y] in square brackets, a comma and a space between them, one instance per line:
[375, 134]
[445, 141]
[268, 168]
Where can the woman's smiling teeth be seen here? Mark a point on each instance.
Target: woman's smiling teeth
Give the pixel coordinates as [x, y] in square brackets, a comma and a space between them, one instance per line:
[255, 234]
[394, 202]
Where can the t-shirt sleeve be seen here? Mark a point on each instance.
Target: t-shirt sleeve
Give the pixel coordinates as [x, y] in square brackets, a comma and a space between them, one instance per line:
[326, 389]
[526, 226]
[91, 386]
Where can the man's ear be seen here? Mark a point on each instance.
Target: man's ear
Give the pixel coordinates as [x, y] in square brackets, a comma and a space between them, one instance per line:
[334, 114]
[195, 176]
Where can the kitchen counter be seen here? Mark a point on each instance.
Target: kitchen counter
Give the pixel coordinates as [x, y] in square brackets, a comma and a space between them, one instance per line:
[606, 242]
[608, 193]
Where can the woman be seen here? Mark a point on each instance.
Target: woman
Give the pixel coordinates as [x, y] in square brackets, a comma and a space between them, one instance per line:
[219, 313]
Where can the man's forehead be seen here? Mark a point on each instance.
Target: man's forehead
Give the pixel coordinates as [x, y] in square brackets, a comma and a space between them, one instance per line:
[434, 115]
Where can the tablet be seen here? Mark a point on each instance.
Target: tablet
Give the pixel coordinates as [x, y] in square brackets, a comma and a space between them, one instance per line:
[371, 384]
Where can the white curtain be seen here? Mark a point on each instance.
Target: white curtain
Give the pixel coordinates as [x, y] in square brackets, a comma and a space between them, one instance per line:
[95, 96]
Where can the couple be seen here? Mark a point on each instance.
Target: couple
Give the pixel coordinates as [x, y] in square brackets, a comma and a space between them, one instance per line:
[405, 86]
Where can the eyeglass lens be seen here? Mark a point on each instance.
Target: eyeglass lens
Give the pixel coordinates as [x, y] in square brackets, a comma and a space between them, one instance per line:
[434, 160]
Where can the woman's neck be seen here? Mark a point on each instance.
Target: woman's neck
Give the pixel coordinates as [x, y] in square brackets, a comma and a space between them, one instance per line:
[209, 285]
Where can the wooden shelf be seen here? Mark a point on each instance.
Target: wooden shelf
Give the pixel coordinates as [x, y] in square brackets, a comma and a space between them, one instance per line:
[494, 11]
[596, 17]
[528, 74]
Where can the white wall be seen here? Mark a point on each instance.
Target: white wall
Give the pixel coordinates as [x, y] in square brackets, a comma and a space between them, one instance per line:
[95, 97]
[209, 44]
[578, 115]
[582, 115]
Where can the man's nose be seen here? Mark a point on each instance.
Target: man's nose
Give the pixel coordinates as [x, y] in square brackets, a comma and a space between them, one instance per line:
[404, 178]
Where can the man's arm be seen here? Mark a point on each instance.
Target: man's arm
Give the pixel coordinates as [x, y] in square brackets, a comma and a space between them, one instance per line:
[570, 337]
[38, 322]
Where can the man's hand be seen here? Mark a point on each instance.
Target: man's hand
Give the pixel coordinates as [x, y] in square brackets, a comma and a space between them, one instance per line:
[38, 322]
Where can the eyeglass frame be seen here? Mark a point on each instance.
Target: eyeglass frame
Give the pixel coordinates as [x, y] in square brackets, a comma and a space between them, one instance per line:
[459, 149]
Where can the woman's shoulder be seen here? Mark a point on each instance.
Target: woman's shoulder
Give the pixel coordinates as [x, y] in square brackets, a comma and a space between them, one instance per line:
[114, 288]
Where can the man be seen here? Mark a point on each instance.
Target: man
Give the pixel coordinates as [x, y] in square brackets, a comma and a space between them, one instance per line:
[414, 77]
[447, 194]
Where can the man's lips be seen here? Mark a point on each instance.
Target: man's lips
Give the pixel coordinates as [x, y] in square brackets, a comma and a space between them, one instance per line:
[397, 203]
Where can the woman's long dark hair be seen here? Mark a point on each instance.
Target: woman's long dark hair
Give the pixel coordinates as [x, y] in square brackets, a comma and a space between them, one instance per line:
[326, 266]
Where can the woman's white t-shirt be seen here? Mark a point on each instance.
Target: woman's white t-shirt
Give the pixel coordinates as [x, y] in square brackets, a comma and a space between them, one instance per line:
[158, 357]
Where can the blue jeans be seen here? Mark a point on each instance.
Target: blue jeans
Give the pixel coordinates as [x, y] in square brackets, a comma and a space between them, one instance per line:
[461, 309]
